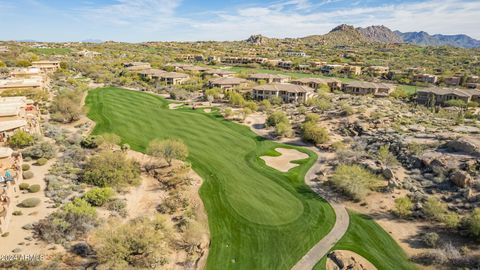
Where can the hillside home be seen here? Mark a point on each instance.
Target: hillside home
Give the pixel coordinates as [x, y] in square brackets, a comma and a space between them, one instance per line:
[295, 53]
[368, 88]
[192, 69]
[425, 78]
[25, 73]
[137, 66]
[285, 64]
[35, 83]
[317, 64]
[12, 162]
[290, 93]
[243, 60]
[438, 96]
[352, 70]
[378, 70]
[218, 73]
[452, 81]
[473, 85]
[151, 74]
[173, 78]
[269, 78]
[87, 54]
[227, 83]
[47, 66]
[316, 83]
[473, 79]
[331, 69]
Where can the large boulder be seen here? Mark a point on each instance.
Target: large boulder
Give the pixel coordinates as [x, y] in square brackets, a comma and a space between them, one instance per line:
[465, 145]
[461, 179]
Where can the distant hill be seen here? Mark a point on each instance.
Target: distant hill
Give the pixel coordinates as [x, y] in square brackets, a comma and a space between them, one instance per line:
[425, 39]
[92, 41]
[381, 34]
[257, 39]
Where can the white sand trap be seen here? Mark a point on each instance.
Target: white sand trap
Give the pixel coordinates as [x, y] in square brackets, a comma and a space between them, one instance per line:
[350, 258]
[284, 163]
[173, 106]
[207, 110]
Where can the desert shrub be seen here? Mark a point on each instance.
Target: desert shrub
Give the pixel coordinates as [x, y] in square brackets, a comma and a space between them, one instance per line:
[28, 175]
[91, 142]
[314, 133]
[403, 207]
[430, 239]
[436, 210]
[34, 188]
[25, 167]
[432, 257]
[275, 118]
[473, 223]
[109, 140]
[98, 196]
[66, 106]
[23, 186]
[41, 161]
[354, 180]
[251, 105]
[17, 213]
[20, 139]
[171, 204]
[312, 117]
[117, 205]
[140, 243]
[109, 169]
[284, 130]
[227, 112]
[169, 150]
[386, 157]
[29, 203]
[67, 224]
[125, 147]
[40, 150]
[346, 109]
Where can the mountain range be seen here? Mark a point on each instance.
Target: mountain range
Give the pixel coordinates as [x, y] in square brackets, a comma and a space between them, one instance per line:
[348, 34]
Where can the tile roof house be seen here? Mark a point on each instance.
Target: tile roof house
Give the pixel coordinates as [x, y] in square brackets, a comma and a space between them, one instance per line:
[316, 83]
[452, 81]
[227, 83]
[136, 66]
[425, 78]
[290, 93]
[151, 74]
[368, 88]
[437, 95]
[47, 66]
[173, 78]
[269, 78]
[218, 73]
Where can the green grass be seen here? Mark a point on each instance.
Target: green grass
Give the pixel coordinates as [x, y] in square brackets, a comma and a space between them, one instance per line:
[365, 237]
[51, 51]
[259, 218]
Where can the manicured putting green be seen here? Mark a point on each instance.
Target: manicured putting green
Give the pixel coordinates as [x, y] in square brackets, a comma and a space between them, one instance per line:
[259, 218]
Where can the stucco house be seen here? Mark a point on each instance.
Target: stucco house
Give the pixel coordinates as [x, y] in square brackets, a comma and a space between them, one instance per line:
[290, 93]
[269, 78]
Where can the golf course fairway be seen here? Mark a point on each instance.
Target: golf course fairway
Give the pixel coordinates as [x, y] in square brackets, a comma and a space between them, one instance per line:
[259, 218]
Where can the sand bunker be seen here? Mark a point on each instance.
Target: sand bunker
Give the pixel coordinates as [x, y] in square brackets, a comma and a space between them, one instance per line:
[346, 259]
[283, 162]
[173, 106]
[207, 110]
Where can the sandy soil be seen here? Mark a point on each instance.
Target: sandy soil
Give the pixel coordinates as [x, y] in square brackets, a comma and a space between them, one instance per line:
[207, 110]
[17, 235]
[284, 163]
[173, 106]
[350, 254]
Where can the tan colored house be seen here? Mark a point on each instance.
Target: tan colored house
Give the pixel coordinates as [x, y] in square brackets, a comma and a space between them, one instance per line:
[25, 73]
[290, 93]
[137, 66]
[87, 54]
[269, 78]
[316, 83]
[285, 64]
[378, 70]
[227, 83]
[425, 78]
[232, 60]
[452, 81]
[151, 74]
[473, 79]
[219, 73]
[368, 88]
[473, 85]
[438, 96]
[331, 69]
[26, 84]
[47, 66]
[173, 78]
[352, 70]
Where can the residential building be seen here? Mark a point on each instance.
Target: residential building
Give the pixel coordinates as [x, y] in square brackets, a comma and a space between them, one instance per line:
[11, 161]
[137, 66]
[227, 83]
[193, 69]
[425, 78]
[47, 66]
[88, 54]
[290, 93]
[4, 49]
[24, 84]
[285, 64]
[438, 96]
[378, 70]
[243, 60]
[473, 85]
[331, 69]
[151, 74]
[452, 81]
[317, 64]
[218, 73]
[173, 78]
[269, 78]
[352, 70]
[295, 53]
[368, 88]
[25, 73]
[316, 83]
[473, 79]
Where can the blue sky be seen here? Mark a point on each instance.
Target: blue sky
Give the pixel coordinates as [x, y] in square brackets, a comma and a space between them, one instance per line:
[187, 20]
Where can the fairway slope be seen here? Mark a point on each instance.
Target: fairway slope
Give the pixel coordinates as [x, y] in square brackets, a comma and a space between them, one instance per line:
[259, 218]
